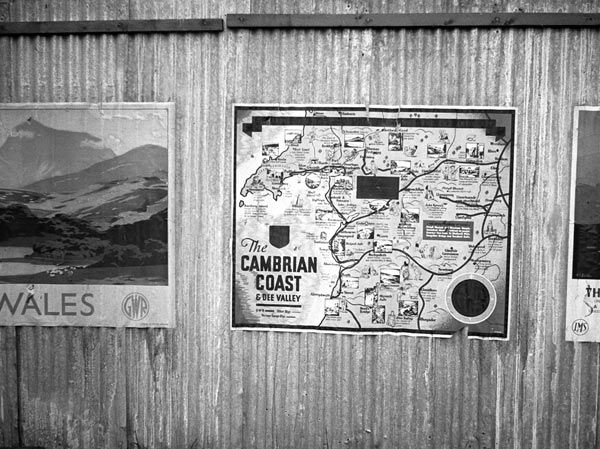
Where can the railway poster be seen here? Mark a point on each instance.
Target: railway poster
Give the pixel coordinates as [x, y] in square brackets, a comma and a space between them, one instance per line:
[583, 273]
[84, 214]
[370, 220]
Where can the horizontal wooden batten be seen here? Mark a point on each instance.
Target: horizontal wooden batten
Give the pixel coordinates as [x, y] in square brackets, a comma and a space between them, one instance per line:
[111, 27]
[425, 20]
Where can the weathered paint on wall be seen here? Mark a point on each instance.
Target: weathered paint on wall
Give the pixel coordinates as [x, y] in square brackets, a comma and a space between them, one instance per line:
[202, 383]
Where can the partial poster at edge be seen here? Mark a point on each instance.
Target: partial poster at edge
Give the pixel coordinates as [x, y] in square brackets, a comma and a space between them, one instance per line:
[84, 214]
[378, 220]
[583, 272]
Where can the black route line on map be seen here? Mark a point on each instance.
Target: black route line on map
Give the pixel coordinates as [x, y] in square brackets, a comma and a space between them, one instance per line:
[340, 142]
[467, 260]
[488, 210]
[478, 259]
[498, 194]
[498, 177]
[482, 183]
[423, 300]
[355, 319]
[472, 215]
[341, 272]
[264, 168]
[364, 156]
[330, 201]
[434, 169]
[464, 203]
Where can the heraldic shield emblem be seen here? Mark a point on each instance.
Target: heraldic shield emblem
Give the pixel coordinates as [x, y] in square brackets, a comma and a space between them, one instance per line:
[279, 236]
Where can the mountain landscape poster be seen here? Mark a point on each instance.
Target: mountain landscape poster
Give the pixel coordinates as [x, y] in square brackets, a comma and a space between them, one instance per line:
[85, 203]
[583, 272]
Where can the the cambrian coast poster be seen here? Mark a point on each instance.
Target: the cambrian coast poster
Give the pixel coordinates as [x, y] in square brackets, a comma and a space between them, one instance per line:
[372, 220]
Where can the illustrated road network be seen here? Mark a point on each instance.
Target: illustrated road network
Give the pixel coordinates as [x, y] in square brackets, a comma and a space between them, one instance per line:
[397, 210]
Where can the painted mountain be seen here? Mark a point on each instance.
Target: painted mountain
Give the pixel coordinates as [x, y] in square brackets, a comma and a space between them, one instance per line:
[586, 232]
[71, 211]
[586, 229]
[33, 152]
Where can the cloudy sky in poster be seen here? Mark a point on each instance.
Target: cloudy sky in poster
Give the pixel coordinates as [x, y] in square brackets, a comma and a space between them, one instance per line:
[113, 126]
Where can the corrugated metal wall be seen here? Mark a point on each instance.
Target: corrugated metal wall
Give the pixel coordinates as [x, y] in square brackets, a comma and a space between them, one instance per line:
[201, 383]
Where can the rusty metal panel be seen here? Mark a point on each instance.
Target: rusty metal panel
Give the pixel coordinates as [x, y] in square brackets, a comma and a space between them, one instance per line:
[418, 20]
[72, 27]
[202, 382]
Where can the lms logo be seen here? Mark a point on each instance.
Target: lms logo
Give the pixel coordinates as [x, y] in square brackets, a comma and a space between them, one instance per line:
[135, 306]
[580, 327]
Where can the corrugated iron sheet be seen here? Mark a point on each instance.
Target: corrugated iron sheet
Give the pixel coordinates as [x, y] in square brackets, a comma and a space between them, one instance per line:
[201, 382]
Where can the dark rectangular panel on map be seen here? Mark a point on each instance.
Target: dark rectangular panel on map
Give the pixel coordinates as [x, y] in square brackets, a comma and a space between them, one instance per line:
[460, 231]
[377, 187]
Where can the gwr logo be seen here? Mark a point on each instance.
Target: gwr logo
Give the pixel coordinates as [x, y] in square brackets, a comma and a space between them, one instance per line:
[135, 306]
[580, 327]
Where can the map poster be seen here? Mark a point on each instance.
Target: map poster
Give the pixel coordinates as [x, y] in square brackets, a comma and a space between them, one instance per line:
[85, 238]
[372, 220]
[583, 272]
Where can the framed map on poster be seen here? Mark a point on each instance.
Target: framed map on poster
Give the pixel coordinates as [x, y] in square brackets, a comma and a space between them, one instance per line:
[583, 274]
[85, 194]
[386, 219]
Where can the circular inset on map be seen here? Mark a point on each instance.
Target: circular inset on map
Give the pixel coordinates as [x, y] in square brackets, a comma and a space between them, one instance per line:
[312, 181]
[471, 298]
